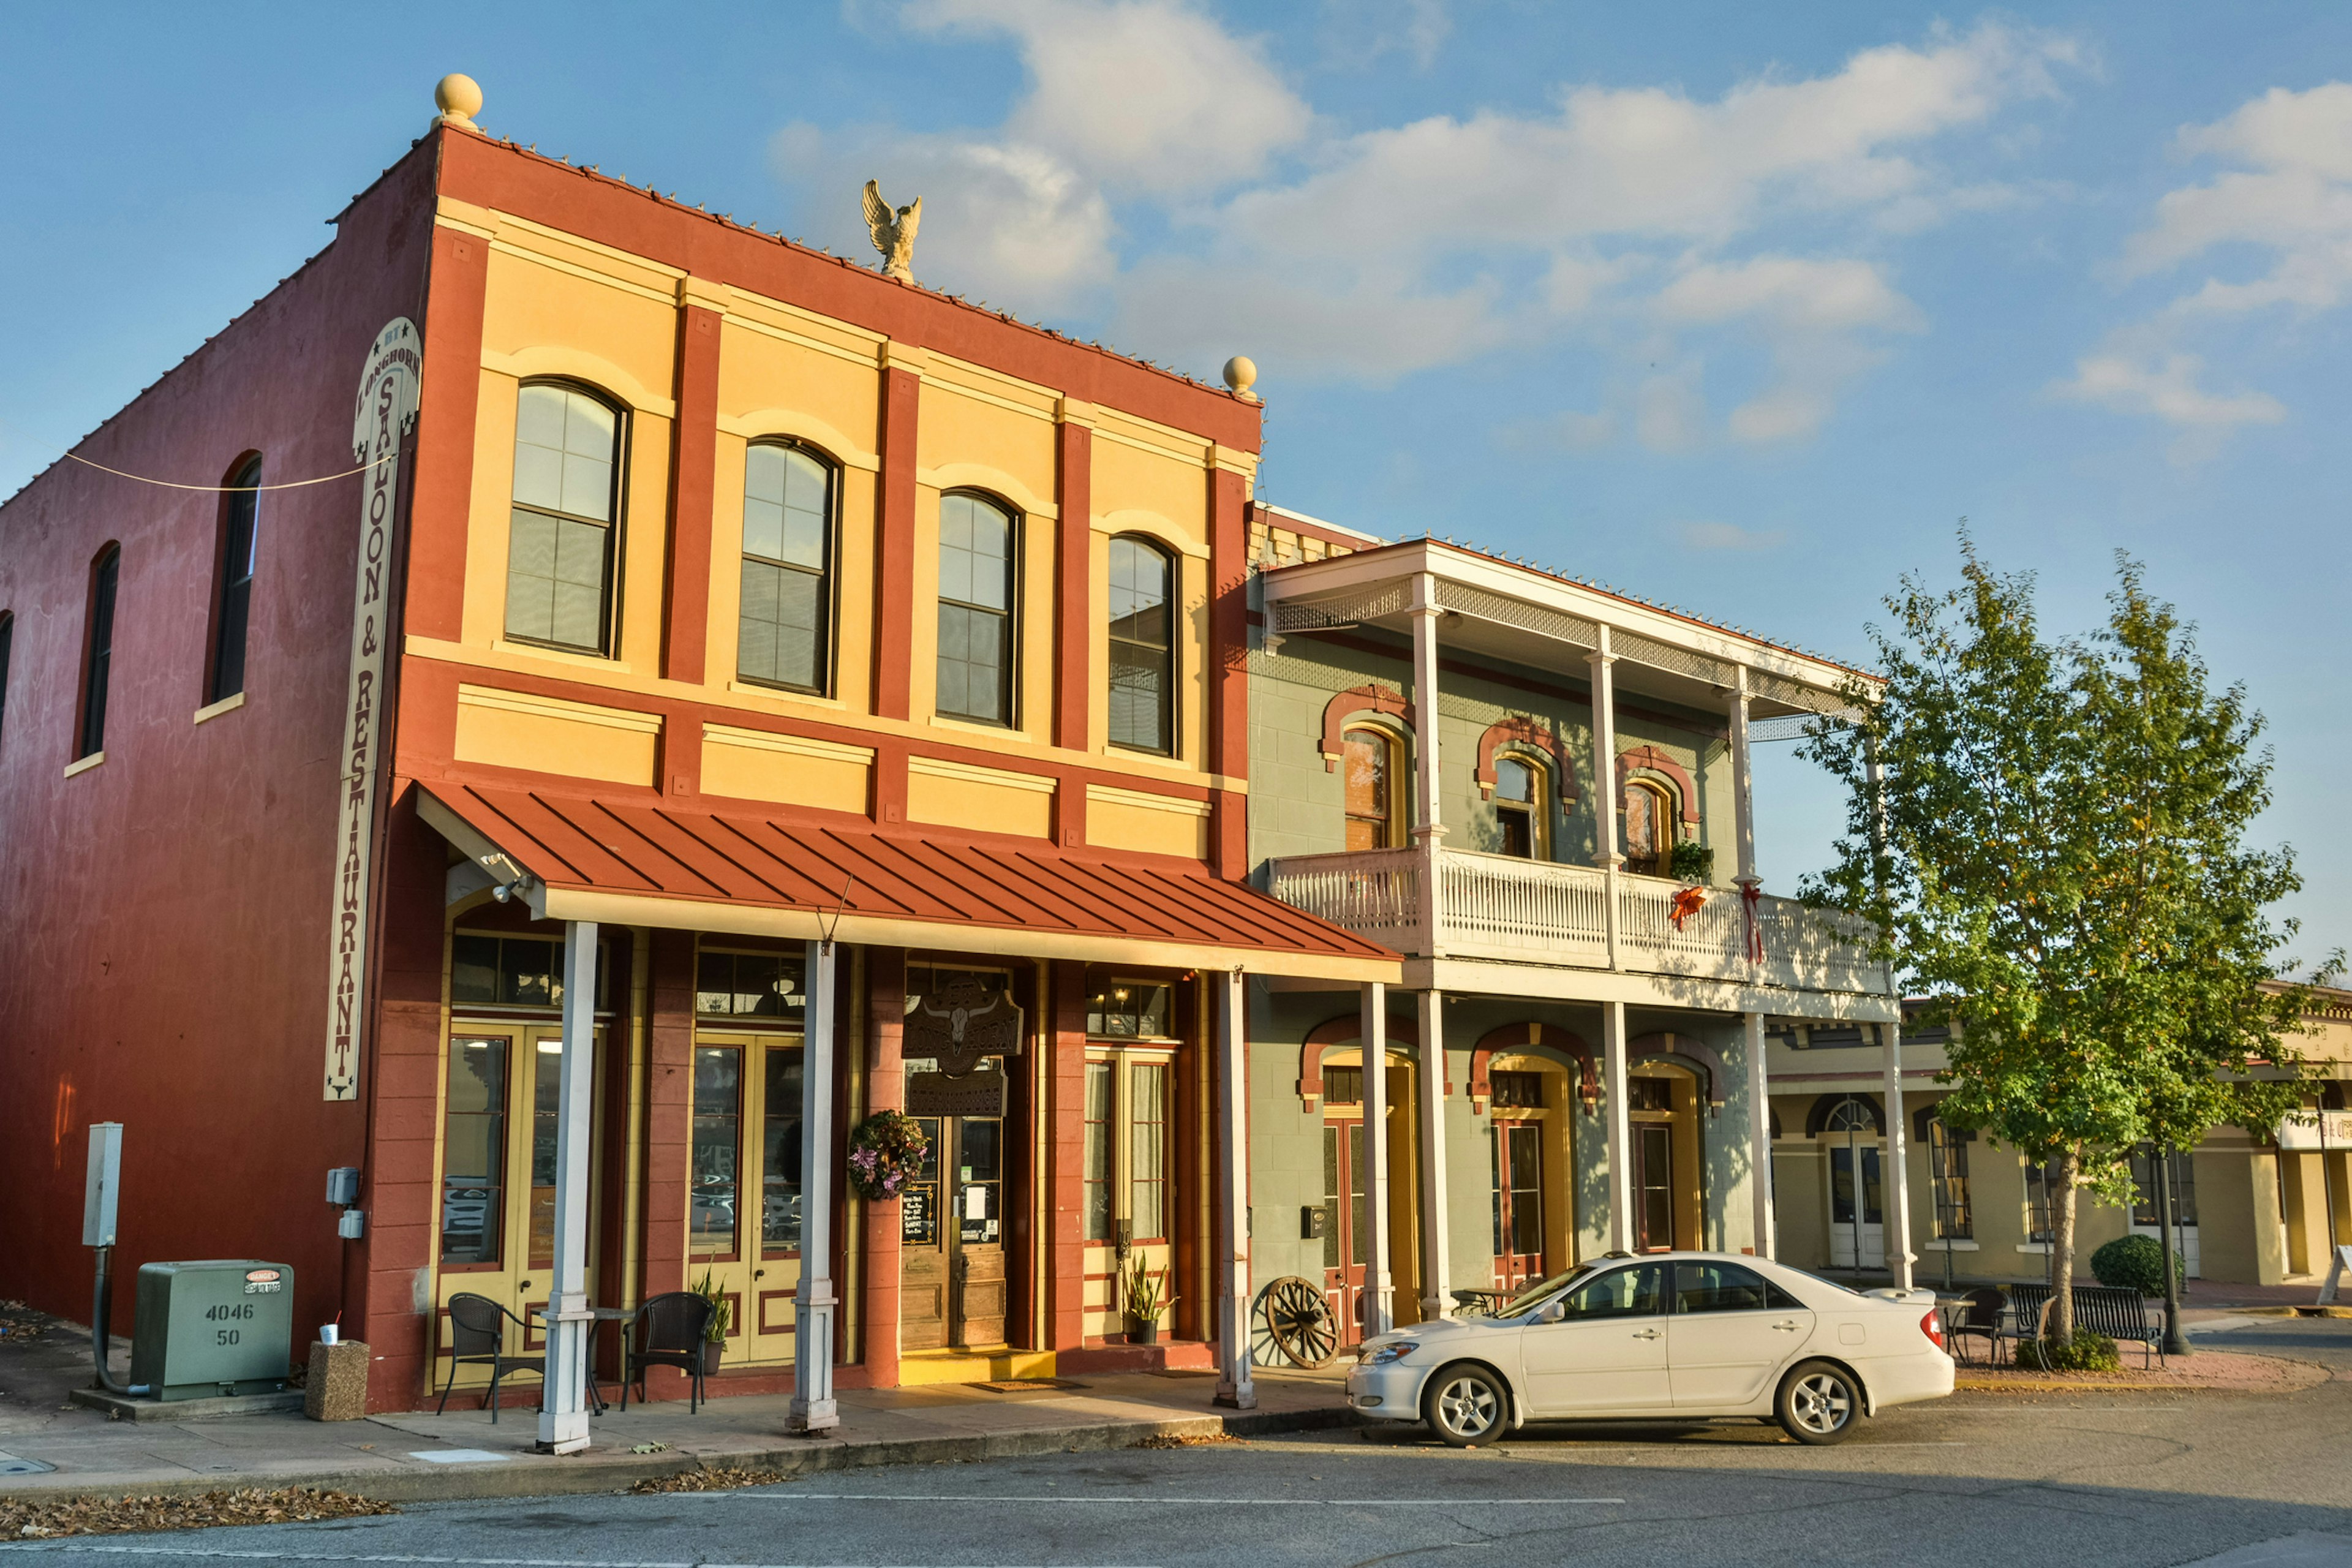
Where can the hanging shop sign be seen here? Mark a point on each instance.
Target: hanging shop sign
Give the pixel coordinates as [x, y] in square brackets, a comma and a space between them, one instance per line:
[385, 413]
[981, 1092]
[961, 1031]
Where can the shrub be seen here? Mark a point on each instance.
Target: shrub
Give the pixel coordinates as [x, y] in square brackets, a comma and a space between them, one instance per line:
[1690, 862]
[2135, 1262]
[2089, 1352]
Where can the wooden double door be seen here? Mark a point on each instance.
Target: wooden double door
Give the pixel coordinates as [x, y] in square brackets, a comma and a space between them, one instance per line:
[954, 1288]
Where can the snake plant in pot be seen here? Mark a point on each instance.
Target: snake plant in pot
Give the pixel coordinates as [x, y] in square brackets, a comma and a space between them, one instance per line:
[722, 1316]
[1147, 1301]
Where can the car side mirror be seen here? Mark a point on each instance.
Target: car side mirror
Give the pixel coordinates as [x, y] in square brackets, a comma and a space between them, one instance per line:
[1552, 1311]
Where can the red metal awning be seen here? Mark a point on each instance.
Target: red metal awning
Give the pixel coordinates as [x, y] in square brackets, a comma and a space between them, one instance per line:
[638, 862]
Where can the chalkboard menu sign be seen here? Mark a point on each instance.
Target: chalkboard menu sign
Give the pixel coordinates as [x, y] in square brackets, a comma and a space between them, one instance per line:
[919, 1223]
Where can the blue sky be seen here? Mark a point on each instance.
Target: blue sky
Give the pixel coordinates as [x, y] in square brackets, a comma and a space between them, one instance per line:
[1738, 308]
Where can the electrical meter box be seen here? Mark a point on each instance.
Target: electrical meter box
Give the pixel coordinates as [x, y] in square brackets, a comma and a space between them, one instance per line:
[214, 1328]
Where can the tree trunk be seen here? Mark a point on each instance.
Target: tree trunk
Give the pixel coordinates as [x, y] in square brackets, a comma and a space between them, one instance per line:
[2062, 1246]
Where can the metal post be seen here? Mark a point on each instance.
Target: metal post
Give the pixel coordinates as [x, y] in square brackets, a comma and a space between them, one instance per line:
[1429, 827]
[1760, 1139]
[1235, 1389]
[1604, 790]
[1743, 818]
[1436, 1299]
[1899, 1255]
[571, 1325]
[1372, 1034]
[2175, 1341]
[1618, 1094]
[815, 1307]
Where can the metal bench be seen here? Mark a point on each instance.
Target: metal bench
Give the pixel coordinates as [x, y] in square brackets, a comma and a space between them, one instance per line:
[2121, 1314]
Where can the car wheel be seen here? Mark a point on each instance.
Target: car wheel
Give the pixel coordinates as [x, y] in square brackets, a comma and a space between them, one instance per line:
[1467, 1405]
[1819, 1404]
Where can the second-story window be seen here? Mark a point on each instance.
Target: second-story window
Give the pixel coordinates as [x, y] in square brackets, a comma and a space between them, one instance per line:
[560, 551]
[230, 614]
[1370, 762]
[975, 609]
[1649, 828]
[1142, 647]
[787, 598]
[99, 665]
[1520, 806]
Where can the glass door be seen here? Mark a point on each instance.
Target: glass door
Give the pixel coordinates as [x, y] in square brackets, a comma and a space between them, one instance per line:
[744, 1215]
[1857, 1219]
[1519, 1203]
[497, 1224]
[1653, 1186]
[1346, 1217]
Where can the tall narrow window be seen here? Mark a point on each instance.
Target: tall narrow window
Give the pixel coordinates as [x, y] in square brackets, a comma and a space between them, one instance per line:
[1520, 806]
[230, 615]
[2040, 1199]
[560, 547]
[1370, 762]
[718, 1123]
[100, 664]
[1947, 1170]
[787, 600]
[1147, 1149]
[7, 636]
[975, 610]
[474, 1150]
[1649, 828]
[780, 1138]
[1142, 646]
[1098, 1128]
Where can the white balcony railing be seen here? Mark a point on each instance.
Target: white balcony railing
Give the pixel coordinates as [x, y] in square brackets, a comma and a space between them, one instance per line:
[1533, 911]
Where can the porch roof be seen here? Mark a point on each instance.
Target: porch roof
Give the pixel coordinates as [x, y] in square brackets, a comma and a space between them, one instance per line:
[631, 860]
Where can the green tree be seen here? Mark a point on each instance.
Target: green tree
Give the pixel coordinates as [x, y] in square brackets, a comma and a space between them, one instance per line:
[2054, 854]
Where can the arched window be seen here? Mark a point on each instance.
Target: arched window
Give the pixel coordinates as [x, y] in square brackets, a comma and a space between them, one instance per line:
[232, 604]
[98, 664]
[560, 551]
[787, 600]
[976, 538]
[1142, 646]
[1649, 817]
[1373, 820]
[1522, 804]
[1852, 1115]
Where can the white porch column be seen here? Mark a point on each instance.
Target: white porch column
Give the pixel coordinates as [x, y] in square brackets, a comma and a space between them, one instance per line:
[1743, 811]
[815, 1307]
[1372, 1034]
[563, 1403]
[1604, 790]
[1617, 1096]
[1436, 1295]
[1235, 1389]
[1429, 815]
[1899, 1255]
[1759, 1140]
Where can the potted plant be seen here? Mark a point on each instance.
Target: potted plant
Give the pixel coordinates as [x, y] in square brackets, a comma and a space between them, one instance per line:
[1691, 862]
[722, 1316]
[1147, 1302]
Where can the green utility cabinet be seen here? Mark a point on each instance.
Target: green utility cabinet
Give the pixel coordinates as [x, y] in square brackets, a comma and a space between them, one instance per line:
[225, 1326]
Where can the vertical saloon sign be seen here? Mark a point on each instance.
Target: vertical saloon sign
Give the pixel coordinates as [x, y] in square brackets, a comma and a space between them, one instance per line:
[387, 410]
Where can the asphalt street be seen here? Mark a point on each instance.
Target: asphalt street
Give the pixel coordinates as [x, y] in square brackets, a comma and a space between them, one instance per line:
[2079, 1481]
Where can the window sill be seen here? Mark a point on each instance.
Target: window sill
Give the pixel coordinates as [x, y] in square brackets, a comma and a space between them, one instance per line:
[1957, 1243]
[978, 727]
[2033, 1246]
[225, 705]
[558, 656]
[785, 694]
[83, 765]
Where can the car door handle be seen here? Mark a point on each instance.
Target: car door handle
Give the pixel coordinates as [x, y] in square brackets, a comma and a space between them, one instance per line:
[1645, 1334]
[1785, 1327]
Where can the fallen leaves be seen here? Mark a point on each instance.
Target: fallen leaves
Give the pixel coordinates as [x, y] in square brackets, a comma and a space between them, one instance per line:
[113, 1516]
[1183, 1440]
[710, 1481]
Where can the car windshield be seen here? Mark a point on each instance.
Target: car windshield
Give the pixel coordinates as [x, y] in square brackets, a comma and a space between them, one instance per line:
[1537, 1293]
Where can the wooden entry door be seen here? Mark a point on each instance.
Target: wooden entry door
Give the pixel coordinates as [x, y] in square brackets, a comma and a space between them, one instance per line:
[1519, 1203]
[1347, 1220]
[952, 1283]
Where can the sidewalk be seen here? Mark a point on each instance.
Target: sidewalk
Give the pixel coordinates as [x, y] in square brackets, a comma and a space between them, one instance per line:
[400, 1458]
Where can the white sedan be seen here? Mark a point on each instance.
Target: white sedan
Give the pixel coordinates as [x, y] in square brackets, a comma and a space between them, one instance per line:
[1670, 1335]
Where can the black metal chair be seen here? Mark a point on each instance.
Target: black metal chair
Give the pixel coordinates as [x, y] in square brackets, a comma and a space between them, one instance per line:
[1980, 1315]
[671, 1330]
[477, 1337]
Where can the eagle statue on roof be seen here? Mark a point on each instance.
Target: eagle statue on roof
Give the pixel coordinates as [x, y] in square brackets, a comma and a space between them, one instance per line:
[893, 233]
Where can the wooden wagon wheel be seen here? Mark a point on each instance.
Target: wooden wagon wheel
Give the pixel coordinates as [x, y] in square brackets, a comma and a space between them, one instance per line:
[1300, 1321]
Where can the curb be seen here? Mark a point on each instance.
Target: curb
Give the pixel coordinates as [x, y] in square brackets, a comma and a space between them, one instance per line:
[535, 1476]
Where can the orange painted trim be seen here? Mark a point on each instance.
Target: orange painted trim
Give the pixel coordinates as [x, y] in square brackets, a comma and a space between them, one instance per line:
[686, 620]
[885, 1089]
[1228, 748]
[1519, 1038]
[441, 493]
[1522, 730]
[1073, 587]
[1373, 698]
[1650, 1048]
[1065, 1254]
[894, 575]
[1348, 1029]
[1651, 759]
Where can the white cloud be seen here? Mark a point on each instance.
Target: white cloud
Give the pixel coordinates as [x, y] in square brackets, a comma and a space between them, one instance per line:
[1730, 536]
[2289, 205]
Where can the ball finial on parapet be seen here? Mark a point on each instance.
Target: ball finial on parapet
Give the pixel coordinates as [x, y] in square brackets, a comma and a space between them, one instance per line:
[459, 98]
[1241, 375]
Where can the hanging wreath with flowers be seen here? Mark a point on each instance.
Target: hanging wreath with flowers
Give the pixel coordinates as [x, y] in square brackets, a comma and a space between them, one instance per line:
[886, 1150]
